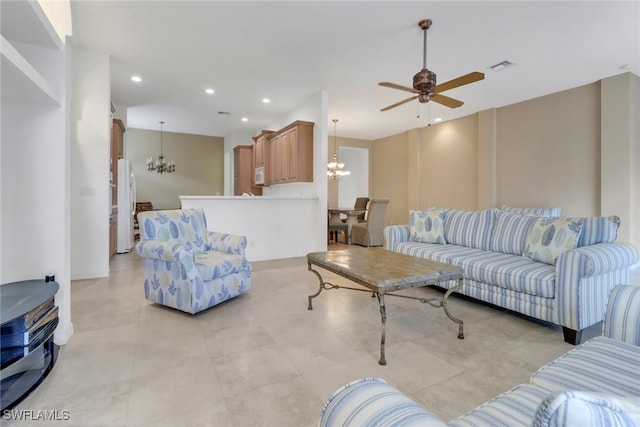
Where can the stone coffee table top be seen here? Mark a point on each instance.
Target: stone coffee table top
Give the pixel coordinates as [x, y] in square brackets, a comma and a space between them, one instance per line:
[384, 271]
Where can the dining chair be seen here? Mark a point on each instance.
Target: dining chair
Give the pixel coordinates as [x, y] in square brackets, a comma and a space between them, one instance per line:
[370, 233]
[361, 203]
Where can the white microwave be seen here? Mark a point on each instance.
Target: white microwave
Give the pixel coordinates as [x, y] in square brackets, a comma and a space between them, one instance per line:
[259, 176]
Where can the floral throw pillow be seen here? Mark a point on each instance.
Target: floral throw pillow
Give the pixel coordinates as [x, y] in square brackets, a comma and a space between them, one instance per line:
[551, 237]
[427, 226]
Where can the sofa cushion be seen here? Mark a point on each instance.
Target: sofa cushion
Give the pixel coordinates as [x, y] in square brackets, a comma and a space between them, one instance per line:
[494, 268]
[579, 408]
[516, 407]
[533, 211]
[435, 252]
[510, 232]
[214, 264]
[469, 228]
[551, 237]
[598, 229]
[602, 365]
[507, 271]
[427, 226]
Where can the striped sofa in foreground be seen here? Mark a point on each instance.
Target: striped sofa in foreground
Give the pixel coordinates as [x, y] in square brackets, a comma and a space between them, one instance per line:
[596, 384]
[555, 269]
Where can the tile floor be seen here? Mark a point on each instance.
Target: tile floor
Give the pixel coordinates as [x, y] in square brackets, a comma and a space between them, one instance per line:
[263, 359]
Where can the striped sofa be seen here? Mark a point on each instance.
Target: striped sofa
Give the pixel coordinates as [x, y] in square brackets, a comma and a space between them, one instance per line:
[596, 384]
[533, 262]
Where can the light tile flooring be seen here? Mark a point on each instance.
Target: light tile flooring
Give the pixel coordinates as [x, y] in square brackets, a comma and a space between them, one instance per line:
[263, 359]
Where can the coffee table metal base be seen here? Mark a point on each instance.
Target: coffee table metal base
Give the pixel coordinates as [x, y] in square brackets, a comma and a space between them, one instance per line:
[435, 302]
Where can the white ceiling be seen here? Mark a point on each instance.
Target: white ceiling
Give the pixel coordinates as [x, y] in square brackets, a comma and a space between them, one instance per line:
[285, 51]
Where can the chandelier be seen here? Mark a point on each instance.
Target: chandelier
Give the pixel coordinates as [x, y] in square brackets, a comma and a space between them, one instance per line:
[334, 168]
[160, 165]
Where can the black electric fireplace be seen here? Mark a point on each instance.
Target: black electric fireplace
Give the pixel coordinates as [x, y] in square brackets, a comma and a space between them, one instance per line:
[28, 317]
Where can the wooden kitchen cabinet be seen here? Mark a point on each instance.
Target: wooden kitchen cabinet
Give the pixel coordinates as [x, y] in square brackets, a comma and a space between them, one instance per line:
[116, 152]
[275, 159]
[261, 153]
[291, 154]
[243, 171]
[113, 232]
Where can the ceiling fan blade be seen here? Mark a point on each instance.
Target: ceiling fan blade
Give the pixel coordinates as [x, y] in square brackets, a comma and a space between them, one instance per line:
[445, 100]
[395, 86]
[397, 104]
[460, 81]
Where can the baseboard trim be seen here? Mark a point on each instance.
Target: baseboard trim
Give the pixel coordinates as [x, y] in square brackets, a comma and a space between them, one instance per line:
[89, 275]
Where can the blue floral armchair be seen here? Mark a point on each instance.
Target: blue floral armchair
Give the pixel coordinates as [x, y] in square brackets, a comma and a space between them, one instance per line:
[186, 266]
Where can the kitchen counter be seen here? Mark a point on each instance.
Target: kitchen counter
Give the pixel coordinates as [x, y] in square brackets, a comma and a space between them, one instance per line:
[183, 198]
[275, 226]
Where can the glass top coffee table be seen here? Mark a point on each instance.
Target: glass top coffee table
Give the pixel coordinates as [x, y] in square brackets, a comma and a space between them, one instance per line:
[383, 272]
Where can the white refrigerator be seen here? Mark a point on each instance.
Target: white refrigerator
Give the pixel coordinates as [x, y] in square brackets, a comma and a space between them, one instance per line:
[126, 205]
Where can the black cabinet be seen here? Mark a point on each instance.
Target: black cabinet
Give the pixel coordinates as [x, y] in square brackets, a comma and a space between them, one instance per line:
[28, 318]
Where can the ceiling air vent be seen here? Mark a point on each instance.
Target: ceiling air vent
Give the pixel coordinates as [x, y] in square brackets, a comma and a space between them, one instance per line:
[502, 66]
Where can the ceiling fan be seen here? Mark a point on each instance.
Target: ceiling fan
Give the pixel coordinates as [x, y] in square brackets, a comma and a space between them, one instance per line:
[424, 83]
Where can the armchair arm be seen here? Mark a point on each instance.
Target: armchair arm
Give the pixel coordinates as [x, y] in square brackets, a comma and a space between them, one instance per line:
[229, 243]
[622, 319]
[584, 278]
[600, 258]
[164, 251]
[395, 234]
[372, 402]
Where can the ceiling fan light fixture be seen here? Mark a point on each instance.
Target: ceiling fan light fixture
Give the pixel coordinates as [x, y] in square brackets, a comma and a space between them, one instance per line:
[424, 81]
[425, 88]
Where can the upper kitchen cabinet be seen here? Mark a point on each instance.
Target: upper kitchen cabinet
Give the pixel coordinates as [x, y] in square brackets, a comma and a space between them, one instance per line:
[291, 154]
[243, 171]
[260, 148]
[261, 156]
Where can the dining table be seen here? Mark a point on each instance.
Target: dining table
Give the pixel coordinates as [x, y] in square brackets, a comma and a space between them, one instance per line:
[351, 214]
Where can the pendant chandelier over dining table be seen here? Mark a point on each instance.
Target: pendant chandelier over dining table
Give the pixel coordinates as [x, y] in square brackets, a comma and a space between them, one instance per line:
[160, 165]
[335, 168]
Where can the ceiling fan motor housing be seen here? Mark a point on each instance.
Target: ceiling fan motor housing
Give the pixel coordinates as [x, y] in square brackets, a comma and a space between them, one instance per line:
[424, 81]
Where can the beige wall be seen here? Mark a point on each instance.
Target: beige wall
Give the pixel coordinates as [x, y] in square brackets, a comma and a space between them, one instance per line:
[548, 152]
[199, 165]
[448, 169]
[634, 224]
[620, 159]
[578, 149]
[389, 175]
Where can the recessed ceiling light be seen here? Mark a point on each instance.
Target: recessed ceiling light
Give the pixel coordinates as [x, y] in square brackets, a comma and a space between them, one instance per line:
[501, 65]
[266, 100]
[136, 79]
[244, 119]
[210, 91]
[437, 119]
